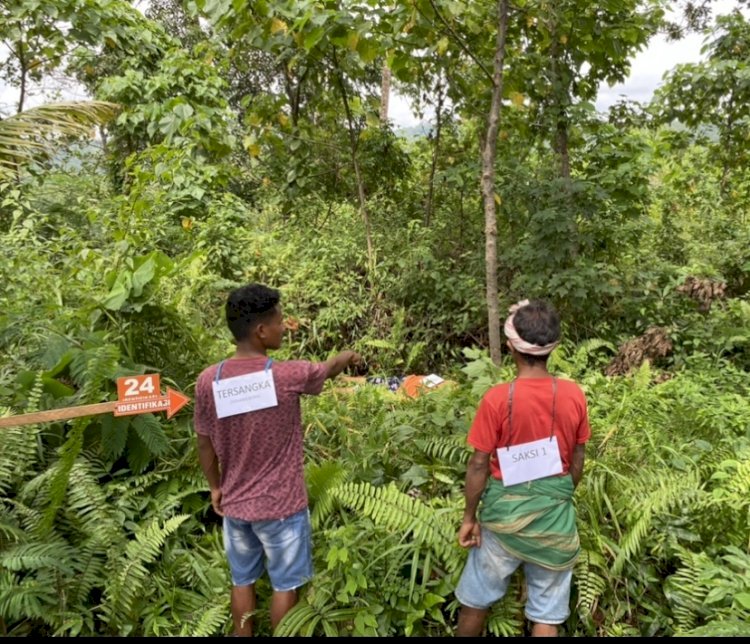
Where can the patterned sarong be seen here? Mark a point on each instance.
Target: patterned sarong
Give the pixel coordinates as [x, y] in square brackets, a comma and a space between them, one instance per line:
[534, 521]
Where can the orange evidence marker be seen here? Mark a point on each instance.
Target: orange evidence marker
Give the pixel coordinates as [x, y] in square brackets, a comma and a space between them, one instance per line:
[141, 395]
[136, 395]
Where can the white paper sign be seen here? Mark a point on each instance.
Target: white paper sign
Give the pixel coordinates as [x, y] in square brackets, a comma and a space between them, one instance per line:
[529, 461]
[241, 394]
[433, 380]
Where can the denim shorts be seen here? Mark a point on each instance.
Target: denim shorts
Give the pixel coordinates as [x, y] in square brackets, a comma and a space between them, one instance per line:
[488, 570]
[283, 546]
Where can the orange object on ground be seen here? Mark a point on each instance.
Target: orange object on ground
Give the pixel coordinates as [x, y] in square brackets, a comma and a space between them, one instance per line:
[414, 386]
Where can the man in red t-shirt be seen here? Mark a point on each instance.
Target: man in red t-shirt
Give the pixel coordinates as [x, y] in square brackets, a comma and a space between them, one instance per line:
[248, 422]
[528, 438]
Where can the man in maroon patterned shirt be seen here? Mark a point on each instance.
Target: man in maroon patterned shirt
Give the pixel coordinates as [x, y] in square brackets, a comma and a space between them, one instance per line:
[248, 422]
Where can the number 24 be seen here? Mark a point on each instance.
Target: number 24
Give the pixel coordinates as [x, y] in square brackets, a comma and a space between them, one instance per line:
[133, 388]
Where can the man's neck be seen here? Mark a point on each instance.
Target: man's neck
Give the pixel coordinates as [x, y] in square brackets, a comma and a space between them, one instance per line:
[249, 349]
[535, 371]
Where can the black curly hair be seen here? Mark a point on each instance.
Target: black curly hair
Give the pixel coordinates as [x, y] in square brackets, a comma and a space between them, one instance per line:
[538, 323]
[249, 305]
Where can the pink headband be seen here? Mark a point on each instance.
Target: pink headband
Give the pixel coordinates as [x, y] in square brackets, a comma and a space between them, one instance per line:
[520, 344]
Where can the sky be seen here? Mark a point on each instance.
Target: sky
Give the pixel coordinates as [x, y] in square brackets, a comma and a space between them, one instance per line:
[647, 71]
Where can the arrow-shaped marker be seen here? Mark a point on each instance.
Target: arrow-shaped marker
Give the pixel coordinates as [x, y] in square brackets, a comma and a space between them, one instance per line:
[171, 403]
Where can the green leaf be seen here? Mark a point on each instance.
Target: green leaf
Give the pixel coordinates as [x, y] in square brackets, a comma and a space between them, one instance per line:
[151, 432]
[313, 37]
[143, 275]
[183, 110]
[117, 297]
[367, 50]
[114, 435]
[139, 456]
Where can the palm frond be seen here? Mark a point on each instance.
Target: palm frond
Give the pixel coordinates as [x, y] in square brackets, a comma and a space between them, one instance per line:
[27, 136]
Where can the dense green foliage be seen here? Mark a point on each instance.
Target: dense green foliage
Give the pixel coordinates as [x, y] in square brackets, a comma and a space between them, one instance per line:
[247, 147]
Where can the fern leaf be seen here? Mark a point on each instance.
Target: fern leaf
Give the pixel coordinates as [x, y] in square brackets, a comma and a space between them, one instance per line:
[151, 432]
[321, 478]
[114, 435]
[394, 510]
[131, 575]
[36, 556]
[59, 484]
[212, 620]
[589, 580]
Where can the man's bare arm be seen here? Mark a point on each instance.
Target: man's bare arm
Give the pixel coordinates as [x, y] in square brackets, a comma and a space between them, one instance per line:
[209, 461]
[340, 362]
[576, 465]
[477, 472]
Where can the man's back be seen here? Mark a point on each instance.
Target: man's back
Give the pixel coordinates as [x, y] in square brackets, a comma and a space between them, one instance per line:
[260, 452]
[532, 407]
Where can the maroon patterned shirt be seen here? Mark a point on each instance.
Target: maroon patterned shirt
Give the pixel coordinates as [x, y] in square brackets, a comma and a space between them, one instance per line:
[260, 452]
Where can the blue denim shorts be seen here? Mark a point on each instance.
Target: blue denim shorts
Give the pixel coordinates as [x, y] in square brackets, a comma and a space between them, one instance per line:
[488, 570]
[282, 546]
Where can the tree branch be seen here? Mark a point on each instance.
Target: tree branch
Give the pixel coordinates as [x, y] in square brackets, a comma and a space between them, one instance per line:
[460, 42]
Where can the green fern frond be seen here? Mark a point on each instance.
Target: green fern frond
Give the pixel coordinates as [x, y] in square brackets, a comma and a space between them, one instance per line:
[575, 364]
[138, 453]
[685, 591]
[211, 621]
[591, 580]
[129, 574]
[89, 504]
[114, 435]
[395, 511]
[90, 560]
[642, 377]
[719, 628]
[414, 354]
[503, 620]
[29, 598]
[68, 454]
[19, 446]
[70, 624]
[151, 432]
[664, 492]
[451, 450]
[36, 556]
[9, 532]
[92, 368]
[321, 479]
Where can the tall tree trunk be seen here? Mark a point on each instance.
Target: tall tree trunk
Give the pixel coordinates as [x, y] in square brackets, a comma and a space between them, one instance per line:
[385, 93]
[435, 151]
[562, 145]
[489, 153]
[353, 144]
[561, 102]
[727, 147]
[22, 70]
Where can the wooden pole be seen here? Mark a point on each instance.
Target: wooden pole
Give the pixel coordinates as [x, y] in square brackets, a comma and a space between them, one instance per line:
[57, 414]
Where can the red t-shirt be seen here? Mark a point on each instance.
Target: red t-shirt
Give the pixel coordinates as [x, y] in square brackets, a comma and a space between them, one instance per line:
[260, 452]
[532, 418]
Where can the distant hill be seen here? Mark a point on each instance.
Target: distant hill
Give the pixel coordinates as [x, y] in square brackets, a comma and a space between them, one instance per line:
[414, 131]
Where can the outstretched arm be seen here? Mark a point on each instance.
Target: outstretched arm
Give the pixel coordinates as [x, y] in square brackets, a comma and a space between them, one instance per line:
[340, 362]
